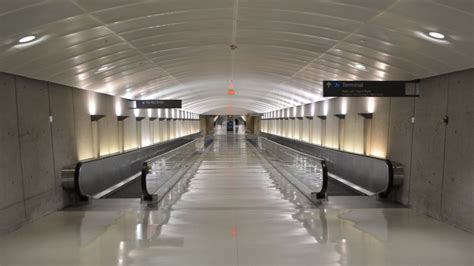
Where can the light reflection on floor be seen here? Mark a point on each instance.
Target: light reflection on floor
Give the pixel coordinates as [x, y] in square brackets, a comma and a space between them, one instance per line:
[233, 212]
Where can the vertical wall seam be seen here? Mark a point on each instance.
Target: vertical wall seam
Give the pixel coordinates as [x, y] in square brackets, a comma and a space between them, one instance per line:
[67, 199]
[389, 123]
[52, 142]
[444, 149]
[411, 149]
[387, 143]
[74, 123]
[19, 146]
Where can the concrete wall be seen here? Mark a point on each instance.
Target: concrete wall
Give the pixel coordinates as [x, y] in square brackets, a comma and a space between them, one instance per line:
[46, 127]
[442, 160]
[12, 196]
[437, 157]
[63, 133]
[36, 146]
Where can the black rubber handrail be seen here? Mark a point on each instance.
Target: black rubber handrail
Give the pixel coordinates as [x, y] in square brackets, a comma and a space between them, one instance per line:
[78, 191]
[383, 194]
[146, 196]
[322, 194]
[390, 179]
[77, 186]
[145, 171]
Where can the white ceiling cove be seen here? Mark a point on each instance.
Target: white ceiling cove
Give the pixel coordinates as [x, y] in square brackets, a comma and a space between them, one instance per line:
[180, 49]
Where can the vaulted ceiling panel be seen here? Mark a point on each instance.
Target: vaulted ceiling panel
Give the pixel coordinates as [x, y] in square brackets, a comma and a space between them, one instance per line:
[281, 50]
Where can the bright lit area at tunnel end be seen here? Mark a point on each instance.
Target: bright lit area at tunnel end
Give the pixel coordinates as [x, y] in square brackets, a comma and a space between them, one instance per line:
[237, 132]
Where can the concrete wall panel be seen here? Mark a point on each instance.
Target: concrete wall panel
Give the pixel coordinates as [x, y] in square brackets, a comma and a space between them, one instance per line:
[316, 137]
[12, 217]
[380, 127]
[63, 132]
[306, 129]
[82, 124]
[42, 204]
[12, 209]
[428, 146]
[146, 140]
[130, 131]
[11, 183]
[108, 126]
[112, 123]
[35, 137]
[45, 128]
[458, 182]
[354, 126]
[332, 122]
[400, 140]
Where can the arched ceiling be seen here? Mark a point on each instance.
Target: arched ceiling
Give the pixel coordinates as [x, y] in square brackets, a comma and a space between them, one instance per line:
[181, 48]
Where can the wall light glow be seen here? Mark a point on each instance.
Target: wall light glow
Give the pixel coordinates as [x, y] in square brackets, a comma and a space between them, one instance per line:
[302, 110]
[150, 112]
[378, 152]
[92, 105]
[313, 109]
[118, 108]
[325, 108]
[136, 112]
[371, 105]
[294, 111]
[343, 106]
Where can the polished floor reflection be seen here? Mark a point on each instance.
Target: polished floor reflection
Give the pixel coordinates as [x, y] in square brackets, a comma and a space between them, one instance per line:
[234, 211]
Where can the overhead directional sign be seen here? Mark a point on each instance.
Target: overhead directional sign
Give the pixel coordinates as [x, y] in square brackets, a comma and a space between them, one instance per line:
[157, 104]
[338, 88]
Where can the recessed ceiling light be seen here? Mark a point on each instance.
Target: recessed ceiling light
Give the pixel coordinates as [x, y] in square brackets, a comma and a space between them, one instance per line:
[436, 35]
[27, 39]
[358, 66]
[103, 68]
[129, 89]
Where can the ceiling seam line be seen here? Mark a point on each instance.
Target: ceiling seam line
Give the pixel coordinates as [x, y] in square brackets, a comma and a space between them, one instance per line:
[346, 37]
[124, 40]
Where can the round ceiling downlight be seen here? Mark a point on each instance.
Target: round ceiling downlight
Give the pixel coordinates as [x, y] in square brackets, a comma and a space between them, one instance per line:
[27, 39]
[436, 35]
[358, 66]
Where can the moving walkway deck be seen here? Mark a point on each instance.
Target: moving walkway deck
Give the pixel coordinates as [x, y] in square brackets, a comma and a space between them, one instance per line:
[235, 172]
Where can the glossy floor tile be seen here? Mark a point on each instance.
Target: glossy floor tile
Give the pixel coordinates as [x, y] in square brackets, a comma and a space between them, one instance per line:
[233, 211]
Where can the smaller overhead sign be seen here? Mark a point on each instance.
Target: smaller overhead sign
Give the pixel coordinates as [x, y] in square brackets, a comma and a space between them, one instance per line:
[338, 88]
[157, 104]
